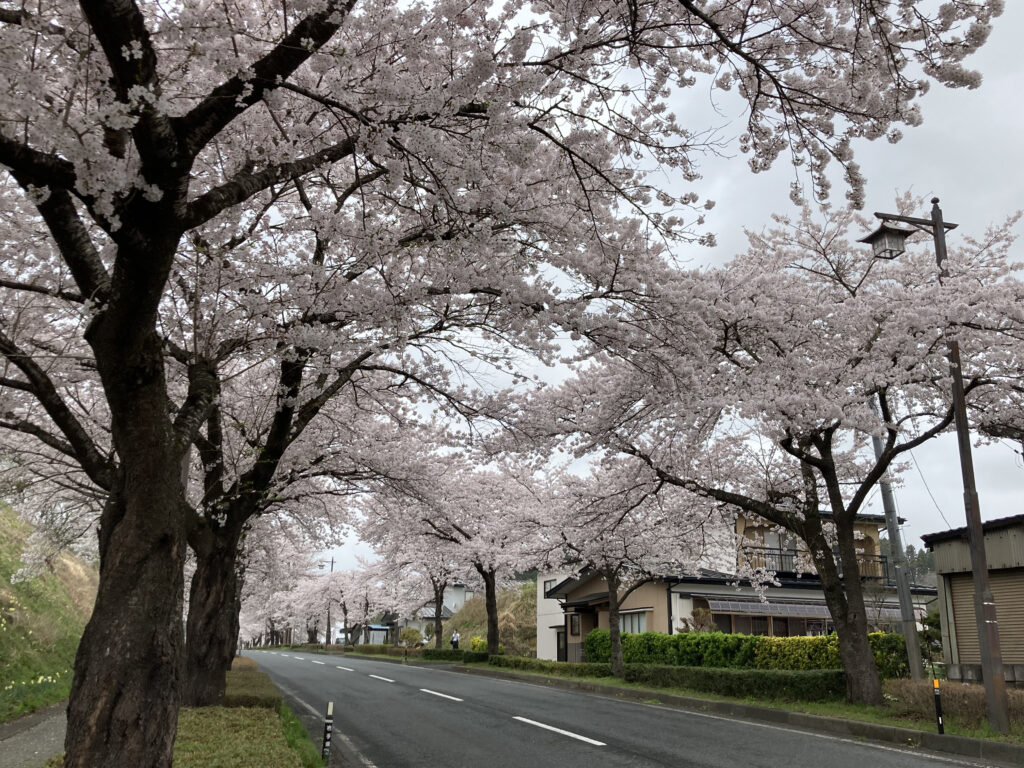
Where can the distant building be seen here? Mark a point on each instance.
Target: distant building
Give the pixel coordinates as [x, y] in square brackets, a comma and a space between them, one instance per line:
[712, 599]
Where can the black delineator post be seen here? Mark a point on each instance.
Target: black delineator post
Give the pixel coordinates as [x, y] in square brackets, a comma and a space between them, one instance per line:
[325, 753]
[938, 705]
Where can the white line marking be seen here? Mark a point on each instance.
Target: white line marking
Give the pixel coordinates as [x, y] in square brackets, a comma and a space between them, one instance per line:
[385, 679]
[442, 695]
[570, 734]
[827, 736]
[347, 669]
[319, 662]
[363, 760]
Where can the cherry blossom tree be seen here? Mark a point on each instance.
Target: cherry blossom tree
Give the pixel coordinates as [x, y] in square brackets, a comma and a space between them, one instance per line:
[132, 131]
[764, 396]
[615, 523]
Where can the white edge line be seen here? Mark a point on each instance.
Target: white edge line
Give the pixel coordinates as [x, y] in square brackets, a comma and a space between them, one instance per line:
[385, 679]
[442, 695]
[570, 734]
[929, 755]
[363, 760]
[347, 669]
[318, 662]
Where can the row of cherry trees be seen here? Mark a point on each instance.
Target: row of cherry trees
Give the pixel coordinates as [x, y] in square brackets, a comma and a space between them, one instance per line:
[249, 251]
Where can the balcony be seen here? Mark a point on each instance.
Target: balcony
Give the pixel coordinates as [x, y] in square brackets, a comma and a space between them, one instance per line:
[783, 561]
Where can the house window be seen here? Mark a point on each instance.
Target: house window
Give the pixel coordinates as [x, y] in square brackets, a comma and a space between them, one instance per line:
[723, 622]
[633, 623]
[574, 624]
[548, 585]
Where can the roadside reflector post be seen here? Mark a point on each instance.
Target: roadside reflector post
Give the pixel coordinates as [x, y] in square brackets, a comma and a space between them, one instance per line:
[329, 728]
[938, 704]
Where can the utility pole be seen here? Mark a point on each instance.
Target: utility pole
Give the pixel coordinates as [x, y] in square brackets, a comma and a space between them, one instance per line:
[908, 621]
[327, 632]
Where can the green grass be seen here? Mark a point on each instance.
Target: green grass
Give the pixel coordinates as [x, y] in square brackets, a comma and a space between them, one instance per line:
[41, 622]
[298, 739]
[232, 737]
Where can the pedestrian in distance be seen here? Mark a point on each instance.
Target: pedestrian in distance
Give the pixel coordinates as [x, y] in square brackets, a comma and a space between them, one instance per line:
[455, 640]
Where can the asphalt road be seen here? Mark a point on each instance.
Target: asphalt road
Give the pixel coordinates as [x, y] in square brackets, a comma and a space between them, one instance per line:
[390, 715]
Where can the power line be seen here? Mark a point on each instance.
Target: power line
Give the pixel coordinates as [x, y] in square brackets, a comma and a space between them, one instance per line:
[937, 507]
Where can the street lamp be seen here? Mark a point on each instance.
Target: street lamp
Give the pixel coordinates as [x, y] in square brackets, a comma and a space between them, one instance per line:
[886, 240]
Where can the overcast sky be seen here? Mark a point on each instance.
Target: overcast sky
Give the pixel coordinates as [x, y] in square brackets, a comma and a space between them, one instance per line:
[969, 152]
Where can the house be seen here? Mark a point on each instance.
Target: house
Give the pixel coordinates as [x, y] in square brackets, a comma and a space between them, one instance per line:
[1004, 552]
[712, 599]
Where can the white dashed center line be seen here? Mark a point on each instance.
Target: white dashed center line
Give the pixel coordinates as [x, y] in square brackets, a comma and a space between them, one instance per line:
[347, 669]
[570, 734]
[442, 695]
[385, 679]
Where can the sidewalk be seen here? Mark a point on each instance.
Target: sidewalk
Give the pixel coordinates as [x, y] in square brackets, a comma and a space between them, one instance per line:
[30, 741]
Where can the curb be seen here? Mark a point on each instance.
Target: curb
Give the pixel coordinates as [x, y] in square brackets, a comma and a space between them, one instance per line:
[963, 746]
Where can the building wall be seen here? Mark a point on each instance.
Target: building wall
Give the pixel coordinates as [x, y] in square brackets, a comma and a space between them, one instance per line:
[549, 614]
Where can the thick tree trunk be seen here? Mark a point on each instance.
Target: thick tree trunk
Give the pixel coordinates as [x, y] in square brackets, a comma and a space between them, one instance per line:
[211, 631]
[614, 630]
[125, 695]
[439, 589]
[126, 691]
[845, 600]
[491, 602]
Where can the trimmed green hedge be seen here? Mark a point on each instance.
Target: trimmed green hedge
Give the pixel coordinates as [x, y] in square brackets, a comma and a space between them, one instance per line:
[795, 685]
[715, 649]
[443, 654]
[251, 688]
[469, 657]
[560, 668]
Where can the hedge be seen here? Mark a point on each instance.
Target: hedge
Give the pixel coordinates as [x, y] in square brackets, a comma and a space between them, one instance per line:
[468, 657]
[251, 688]
[443, 654]
[560, 668]
[796, 685]
[715, 649]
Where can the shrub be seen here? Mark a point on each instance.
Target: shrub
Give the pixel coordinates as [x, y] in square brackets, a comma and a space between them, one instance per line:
[251, 688]
[243, 664]
[348, 648]
[442, 654]
[410, 636]
[560, 668]
[715, 649]
[797, 685]
[597, 646]
[469, 657]
[477, 643]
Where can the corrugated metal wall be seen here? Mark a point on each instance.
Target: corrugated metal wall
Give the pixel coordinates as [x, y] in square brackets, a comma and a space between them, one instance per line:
[1004, 548]
[1008, 591]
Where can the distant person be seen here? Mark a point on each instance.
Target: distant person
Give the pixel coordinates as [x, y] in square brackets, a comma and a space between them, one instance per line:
[455, 640]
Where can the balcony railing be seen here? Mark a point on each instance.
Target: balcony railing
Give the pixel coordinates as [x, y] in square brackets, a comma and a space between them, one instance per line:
[784, 561]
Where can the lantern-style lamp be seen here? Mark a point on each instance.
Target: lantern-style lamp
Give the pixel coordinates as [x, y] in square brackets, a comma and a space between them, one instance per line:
[887, 242]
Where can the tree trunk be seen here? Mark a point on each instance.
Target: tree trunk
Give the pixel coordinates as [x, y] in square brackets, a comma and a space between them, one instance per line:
[439, 588]
[611, 578]
[211, 631]
[845, 600]
[491, 602]
[126, 689]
